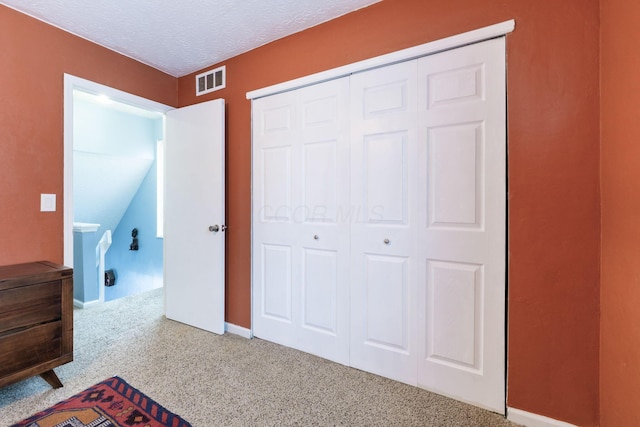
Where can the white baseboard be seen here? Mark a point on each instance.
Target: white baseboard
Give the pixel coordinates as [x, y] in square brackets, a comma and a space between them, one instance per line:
[528, 419]
[238, 330]
[80, 304]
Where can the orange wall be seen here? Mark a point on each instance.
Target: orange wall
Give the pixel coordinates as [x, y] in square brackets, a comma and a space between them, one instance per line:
[33, 58]
[554, 218]
[620, 172]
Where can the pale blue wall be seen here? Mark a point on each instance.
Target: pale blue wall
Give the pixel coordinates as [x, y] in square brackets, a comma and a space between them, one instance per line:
[114, 182]
[141, 270]
[112, 153]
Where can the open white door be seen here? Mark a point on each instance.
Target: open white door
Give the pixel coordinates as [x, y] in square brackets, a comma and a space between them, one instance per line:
[194, 240]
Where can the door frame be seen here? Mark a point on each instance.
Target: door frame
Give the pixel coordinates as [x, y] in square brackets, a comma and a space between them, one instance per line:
[72, 83]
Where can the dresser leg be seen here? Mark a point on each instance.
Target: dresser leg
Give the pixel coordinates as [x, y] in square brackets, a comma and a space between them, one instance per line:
[51, 377]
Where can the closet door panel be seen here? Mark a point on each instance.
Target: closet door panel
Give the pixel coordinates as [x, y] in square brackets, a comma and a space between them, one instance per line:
[276, 184]
[322, 229]
[455, 176]
[274, 260]
[320, 290]
[300, 174]
[387, 287]
[383, 248]
[462, 208]
[385, 186]
[454, 307]
[320, 196]
[276, 282]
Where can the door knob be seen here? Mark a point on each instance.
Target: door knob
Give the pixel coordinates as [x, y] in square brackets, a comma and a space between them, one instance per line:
[214, 228]
[386, 241]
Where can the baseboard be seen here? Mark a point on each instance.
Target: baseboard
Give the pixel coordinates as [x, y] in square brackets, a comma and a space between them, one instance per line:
[238, 330]
[80, 304]
[528, 419]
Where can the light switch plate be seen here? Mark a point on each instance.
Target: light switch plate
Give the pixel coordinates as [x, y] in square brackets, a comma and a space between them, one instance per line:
[47, 203]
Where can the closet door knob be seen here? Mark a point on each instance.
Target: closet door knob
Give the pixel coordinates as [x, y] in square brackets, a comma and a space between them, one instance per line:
[214, 228]
[386, 241]
[315, 237]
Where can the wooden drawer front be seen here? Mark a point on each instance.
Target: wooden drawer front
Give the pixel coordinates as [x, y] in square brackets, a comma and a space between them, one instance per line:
[30, 347]
[30, 305]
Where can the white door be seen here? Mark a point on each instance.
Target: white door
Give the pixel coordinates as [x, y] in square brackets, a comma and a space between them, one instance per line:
[194, 210]
[383, 236]
[462, 223]
[274, 136]
[300, 232]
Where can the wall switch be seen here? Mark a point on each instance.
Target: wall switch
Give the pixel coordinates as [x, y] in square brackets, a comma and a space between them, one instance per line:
[47, 203]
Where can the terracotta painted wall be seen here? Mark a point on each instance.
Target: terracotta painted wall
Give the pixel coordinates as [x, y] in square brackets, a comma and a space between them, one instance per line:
[554, 219]
[620, 172]
[33, 57]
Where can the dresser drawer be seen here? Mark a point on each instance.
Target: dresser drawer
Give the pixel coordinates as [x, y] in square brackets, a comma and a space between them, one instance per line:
[30, 305]
[30, 347]
[36, 321]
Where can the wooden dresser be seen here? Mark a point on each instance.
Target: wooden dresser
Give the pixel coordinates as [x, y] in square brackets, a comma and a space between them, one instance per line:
[36, 321]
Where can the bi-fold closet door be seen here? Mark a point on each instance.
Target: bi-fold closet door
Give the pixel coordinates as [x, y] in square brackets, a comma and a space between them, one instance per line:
[301, 230]
[413, 287]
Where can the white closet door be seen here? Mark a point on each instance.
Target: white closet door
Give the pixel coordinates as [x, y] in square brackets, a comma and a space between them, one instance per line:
[462, 220]
[301, 238]
[384, 221]
[379, 220]
[323, 184]
[274, 138]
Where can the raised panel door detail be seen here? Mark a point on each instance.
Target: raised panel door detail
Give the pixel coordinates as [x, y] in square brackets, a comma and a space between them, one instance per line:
[320, 290]
[277, 119]
[455, 174]
[454, 86]
[276, 282]
[454, 313]
[319, 190]
[384, 99]
[387, 297]
[276, 184]
[320, 112]
[385, 187]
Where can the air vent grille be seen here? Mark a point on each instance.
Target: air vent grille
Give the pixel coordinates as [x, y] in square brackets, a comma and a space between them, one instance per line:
[211, 80]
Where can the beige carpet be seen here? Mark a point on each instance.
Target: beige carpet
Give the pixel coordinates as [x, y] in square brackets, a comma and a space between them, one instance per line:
[227, 380]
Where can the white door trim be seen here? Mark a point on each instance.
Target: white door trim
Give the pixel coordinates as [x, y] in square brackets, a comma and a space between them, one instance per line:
[447, 43]
[72, 83]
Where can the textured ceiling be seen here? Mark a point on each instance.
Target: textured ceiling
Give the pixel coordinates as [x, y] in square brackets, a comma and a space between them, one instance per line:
[183, 36]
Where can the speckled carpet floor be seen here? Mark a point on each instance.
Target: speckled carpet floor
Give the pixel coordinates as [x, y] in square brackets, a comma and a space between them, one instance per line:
[227, 380]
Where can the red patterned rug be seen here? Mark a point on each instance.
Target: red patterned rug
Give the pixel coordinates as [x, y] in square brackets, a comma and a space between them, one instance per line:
[111, 403]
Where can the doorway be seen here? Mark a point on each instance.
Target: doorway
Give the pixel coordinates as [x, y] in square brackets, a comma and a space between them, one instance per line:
[112, 142]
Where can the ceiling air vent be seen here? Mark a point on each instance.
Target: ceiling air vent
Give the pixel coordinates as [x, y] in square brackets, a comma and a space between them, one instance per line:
[211, 80]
